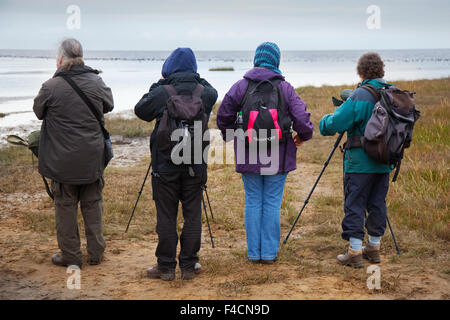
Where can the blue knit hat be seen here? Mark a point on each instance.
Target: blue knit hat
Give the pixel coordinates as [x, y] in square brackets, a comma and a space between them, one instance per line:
[267, 56]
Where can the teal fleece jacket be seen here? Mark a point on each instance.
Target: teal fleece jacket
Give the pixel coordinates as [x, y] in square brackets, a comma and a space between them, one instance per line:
[352, 116]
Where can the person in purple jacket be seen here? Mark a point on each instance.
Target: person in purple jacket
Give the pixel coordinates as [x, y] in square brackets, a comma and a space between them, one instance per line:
[264, 192]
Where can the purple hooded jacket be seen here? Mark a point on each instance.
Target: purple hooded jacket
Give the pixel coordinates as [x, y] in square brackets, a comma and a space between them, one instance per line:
[295, 107]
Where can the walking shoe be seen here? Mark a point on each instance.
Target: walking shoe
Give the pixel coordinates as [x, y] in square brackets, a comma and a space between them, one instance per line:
[371, 253]
[156, 273]
[254, 260]
[352, 258]
[269, 261]
[190, 274]
[57, 260]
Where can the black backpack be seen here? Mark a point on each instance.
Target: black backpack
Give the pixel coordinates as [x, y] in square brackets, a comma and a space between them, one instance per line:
[264, 115]
[181, 112]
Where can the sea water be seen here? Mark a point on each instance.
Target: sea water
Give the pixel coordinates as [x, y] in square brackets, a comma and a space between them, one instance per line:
[130, 73]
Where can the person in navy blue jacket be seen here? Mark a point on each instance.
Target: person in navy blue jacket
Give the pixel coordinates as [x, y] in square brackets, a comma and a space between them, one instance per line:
[173, 183]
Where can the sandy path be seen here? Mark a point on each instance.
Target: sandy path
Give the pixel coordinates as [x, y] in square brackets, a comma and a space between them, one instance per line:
[26, 271]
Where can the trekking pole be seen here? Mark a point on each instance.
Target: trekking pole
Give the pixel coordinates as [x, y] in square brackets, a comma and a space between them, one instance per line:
[207, 221]
[336, 144]
[393, 237]
[345, 94]
[209, 203]
[139, 195]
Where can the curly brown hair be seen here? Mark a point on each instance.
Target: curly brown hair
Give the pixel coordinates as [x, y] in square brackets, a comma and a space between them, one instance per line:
[370, 66]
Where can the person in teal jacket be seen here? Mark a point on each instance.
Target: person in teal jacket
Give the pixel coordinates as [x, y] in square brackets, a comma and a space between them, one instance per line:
[366, 181]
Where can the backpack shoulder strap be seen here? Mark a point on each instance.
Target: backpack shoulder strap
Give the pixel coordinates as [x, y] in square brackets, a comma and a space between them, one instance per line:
[247, 91]
[171, 91]
[88, 102]
[198, 91]
[372, 91]
[276, 83]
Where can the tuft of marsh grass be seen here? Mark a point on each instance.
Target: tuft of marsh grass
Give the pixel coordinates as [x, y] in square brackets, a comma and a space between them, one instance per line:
[14, 156]
[222, 69]
[129, 128]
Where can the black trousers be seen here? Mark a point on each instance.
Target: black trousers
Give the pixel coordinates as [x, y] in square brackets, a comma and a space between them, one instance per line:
[365, 192]
[168, 190]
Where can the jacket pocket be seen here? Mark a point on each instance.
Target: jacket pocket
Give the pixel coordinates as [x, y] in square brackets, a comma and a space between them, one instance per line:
[101, 182]
[56, 188]
[155, 177]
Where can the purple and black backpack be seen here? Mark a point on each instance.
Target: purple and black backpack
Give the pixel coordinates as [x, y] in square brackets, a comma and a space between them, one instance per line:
[264, 116]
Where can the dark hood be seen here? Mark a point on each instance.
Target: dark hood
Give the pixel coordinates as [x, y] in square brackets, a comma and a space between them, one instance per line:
[182, 77]
[181, 60]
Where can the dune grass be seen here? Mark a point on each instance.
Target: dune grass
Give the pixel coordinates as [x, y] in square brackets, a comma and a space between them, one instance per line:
[420, 198]
[418, 203]
[128, 127]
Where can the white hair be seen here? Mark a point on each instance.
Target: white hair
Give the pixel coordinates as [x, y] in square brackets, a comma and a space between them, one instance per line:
[71, 52]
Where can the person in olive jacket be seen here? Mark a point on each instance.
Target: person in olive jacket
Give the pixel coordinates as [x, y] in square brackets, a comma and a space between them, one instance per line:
[173, 183]
[71, 152]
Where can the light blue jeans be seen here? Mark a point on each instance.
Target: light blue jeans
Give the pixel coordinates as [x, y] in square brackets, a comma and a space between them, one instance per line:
[263, 195]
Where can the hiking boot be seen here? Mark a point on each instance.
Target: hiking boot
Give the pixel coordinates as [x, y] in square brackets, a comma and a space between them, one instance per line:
[94, 262]
[58, 260]
[190, 274]
[156, 273]
[371, 253]
[352, 258]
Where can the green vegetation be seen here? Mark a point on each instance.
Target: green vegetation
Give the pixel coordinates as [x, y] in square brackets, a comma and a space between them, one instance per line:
[418, 206]
[128, 128]
[420, 198]
[222, 69]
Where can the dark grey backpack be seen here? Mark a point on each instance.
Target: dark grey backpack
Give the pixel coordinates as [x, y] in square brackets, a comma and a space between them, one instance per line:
[181, 112]
[390, 128]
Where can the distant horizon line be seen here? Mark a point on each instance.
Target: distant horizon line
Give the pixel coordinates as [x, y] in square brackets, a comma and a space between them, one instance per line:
[228, 50]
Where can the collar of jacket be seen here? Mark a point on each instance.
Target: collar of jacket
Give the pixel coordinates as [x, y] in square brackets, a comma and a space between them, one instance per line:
[260, 74]
[75, 70]
[182, 77]
[377, 83]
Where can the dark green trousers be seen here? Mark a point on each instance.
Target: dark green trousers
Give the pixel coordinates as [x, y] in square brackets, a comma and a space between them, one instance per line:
[67, 198]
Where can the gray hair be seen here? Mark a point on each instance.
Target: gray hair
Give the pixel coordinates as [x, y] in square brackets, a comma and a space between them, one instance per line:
[71, 52]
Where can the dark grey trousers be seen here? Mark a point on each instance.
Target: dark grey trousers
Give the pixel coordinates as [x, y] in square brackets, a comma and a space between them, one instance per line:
[90, 198]
[168, 190]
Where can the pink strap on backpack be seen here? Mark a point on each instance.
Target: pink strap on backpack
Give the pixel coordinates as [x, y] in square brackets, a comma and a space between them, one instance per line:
[251, 122]
[274, 114]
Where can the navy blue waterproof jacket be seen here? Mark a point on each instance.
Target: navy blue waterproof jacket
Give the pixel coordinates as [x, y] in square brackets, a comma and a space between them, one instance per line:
[180, 71]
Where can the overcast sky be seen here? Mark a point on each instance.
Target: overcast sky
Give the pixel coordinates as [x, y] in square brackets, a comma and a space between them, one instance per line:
[226, 25]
